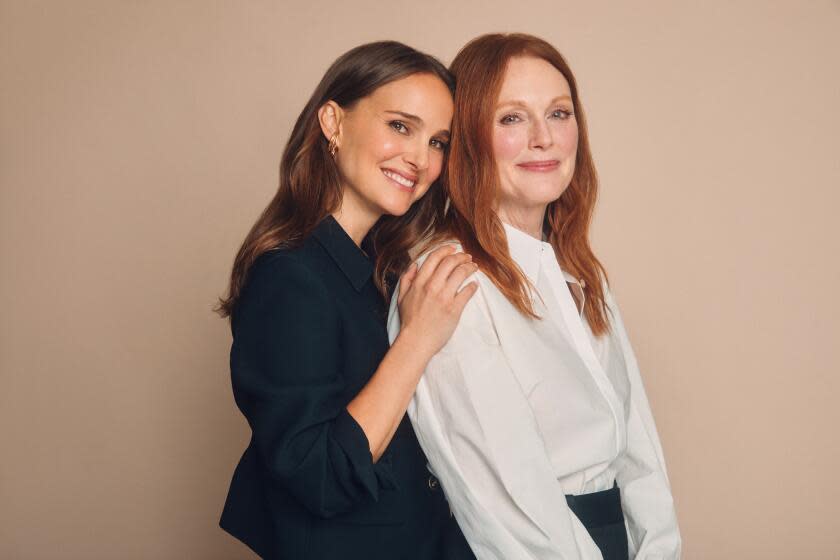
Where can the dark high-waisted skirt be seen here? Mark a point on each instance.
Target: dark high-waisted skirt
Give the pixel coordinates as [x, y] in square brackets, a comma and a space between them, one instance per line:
[601, 514]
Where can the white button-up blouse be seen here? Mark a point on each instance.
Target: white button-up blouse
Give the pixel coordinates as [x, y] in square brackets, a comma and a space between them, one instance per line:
[514, 413]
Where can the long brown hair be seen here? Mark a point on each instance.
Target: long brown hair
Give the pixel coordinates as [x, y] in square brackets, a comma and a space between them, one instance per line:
[310, 185]
[472, 181]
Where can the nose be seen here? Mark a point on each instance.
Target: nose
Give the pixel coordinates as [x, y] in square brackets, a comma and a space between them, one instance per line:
[417, 156]
[540, 135]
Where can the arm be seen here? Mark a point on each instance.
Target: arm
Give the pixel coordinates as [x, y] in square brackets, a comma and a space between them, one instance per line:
[287, 380]
[380, 405]
[478, 432]
[645, 491]
[431, 304]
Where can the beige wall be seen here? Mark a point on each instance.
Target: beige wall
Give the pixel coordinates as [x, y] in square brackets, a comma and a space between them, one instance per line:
[138, 141]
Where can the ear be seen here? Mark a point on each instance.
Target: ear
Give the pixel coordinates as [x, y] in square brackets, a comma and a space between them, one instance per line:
[330, 117]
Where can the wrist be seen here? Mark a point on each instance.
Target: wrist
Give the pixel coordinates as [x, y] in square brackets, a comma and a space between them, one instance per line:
[415, 344]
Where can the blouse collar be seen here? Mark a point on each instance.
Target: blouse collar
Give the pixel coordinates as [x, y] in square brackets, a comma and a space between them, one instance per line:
[528, 253]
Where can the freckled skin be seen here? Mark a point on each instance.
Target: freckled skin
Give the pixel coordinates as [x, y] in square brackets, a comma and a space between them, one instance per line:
[539, 128]
[370, 143]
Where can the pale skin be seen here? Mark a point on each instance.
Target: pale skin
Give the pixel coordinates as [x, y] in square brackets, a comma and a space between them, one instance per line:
[390, 150]
[535, 138]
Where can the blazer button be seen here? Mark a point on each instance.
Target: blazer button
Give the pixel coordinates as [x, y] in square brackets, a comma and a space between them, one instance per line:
[433, 483]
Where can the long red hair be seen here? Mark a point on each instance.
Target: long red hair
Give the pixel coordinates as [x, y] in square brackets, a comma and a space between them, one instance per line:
[472, 183]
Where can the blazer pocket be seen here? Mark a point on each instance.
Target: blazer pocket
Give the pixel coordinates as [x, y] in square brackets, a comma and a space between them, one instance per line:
[388, 510]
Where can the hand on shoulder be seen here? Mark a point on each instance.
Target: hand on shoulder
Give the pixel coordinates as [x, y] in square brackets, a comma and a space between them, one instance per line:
[432, 296]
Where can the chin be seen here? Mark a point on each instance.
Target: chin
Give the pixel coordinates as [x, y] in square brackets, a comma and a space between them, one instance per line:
[541, 198]
[395, 207]
[548, 193]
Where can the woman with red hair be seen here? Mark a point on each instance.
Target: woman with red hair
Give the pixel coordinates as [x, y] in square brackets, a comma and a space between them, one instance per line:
[534, 416]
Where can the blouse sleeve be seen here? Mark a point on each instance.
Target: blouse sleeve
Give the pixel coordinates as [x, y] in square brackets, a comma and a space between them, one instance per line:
[287, 381]
[645, 490]
[475, 425]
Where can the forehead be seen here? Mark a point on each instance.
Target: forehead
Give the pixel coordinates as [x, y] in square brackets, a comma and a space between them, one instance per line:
[532, 79]
[424, 95]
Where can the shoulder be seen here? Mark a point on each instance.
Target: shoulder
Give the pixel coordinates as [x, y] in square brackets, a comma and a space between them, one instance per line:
[285, 275]
[278, 263]
[426, 251]
[419, 257]
[482, 280]
[477, 318]
[282, 294]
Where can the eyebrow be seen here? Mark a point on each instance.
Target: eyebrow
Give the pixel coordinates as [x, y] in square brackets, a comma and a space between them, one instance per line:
[519, 103]
[415, 119]
[406, 116]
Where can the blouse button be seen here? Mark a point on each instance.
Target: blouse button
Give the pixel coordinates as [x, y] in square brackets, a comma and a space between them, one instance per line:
[433, 483]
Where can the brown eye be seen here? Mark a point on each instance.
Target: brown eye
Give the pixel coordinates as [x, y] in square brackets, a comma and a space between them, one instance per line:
[438, 144]
[399, 126]
[510, 119]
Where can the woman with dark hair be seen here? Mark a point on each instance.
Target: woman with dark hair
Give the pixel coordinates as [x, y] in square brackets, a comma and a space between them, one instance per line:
[533, 415]
[333, 469]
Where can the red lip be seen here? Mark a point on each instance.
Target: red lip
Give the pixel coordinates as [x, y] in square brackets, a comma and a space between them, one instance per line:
[542, 165]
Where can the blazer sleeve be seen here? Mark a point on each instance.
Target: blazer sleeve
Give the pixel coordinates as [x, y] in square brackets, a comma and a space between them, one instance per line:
[287, 381]
[475, 425]
[641, 474]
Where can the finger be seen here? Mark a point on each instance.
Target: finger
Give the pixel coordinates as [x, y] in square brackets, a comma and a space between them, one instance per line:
[457, 277]
[431, 263]
[466, 293]
[406, 280]
[444, 270]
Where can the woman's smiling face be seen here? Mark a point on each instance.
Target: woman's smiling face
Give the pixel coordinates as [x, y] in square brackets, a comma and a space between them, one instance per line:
[535, 136]
[391, 144]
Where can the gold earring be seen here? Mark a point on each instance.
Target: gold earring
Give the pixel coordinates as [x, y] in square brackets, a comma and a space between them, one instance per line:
[333, 147]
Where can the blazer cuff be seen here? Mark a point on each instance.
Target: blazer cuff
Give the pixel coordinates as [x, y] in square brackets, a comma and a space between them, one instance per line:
[356, 446]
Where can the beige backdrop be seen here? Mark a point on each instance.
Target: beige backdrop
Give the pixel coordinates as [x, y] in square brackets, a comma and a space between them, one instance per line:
[139, 141]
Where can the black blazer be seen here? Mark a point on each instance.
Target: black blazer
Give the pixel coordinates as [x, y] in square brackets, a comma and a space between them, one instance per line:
[308, 333]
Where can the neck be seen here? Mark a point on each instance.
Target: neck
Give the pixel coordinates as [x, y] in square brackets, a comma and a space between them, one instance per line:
[355, 218]
[529, 220]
